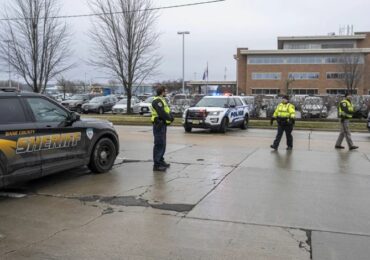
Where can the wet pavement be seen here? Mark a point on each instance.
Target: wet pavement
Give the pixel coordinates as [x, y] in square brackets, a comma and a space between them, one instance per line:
[224, 197]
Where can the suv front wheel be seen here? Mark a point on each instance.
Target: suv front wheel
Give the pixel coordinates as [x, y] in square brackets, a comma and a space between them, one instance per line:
[224, 125]
[187, 128]
[103, 156]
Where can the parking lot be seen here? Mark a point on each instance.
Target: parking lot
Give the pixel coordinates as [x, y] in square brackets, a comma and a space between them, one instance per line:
[224, 197]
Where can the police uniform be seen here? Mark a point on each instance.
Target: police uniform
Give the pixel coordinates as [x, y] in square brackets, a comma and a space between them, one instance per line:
[161, 117]
[345, 112]
[285, 117]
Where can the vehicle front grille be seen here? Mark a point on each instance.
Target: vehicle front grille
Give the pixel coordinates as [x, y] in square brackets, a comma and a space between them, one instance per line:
[197, 115]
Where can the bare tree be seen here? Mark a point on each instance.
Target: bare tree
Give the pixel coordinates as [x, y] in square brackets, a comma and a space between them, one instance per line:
[66, 86]
[125, 41]
[34, 42]
[353, 71]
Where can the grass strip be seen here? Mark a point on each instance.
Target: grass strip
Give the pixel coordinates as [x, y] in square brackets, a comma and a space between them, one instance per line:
[358, 126]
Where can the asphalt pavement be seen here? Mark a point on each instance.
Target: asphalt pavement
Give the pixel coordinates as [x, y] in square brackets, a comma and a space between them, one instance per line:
[225, 196]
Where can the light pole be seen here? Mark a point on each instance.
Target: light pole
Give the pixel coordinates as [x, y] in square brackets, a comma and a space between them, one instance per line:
[237, 74]
[10, 82]
[183, 58]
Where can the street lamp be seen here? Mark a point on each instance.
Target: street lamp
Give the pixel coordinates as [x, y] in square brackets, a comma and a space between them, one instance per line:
[237, 74]
[183, 58]
[10, 82]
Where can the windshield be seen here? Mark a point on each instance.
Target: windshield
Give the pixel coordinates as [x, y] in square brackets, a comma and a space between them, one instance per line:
[97, 100]
[212, 102]
[78, 97]
[124, 101]
[313, 101]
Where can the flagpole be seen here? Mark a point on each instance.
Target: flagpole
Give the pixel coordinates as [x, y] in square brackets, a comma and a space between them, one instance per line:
[207, 81]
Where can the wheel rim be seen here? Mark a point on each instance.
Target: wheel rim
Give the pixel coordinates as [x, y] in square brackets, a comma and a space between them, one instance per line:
[104, 156]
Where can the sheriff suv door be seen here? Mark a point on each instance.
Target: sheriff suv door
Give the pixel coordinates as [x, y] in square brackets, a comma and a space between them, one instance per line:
[62, 146]
[18, 160]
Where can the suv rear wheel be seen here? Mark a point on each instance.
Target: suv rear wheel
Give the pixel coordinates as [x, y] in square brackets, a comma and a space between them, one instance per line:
[103, 156]
[244, 125]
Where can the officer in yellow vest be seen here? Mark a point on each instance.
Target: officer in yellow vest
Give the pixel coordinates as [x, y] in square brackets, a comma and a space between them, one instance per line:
[161, 117]
[285, 117]
[345, 112]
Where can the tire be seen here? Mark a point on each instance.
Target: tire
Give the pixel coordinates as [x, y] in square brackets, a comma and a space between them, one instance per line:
[101, 110]
[223, 125]
[103, 156]
[187, 128]
[244, 125]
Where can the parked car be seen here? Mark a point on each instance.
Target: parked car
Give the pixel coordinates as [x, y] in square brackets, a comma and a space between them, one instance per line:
[39, 137]
[121, 106]
[217, 113]
[361, 106]
[250, 101]
[145, 107]
[314, 107]
[76, 101]
[99, 104]
[270, 104]
[178, 106]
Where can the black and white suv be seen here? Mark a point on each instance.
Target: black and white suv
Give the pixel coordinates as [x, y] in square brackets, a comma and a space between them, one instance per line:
[217, 113]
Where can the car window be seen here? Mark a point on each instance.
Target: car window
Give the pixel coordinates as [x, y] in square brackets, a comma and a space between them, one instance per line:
[238, 102]
[232, 102]
[11, 111]
[45, 111]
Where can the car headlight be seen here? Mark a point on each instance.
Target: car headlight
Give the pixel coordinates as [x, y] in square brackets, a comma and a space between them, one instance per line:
[214, 113]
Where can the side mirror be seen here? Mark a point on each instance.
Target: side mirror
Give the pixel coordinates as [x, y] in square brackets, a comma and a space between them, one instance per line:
[73, 117]
[232, 106]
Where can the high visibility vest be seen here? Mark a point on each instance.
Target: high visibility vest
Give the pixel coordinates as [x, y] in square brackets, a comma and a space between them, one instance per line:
[166, 109]
[341, 112]
[284, 111]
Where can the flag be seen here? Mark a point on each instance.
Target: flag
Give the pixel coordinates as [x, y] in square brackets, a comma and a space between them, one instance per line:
[205, 74]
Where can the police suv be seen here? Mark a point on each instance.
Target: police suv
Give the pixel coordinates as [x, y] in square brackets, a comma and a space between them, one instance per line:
[217, 113]
[39, 137]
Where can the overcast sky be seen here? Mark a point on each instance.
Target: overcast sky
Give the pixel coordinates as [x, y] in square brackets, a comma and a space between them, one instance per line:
[217, 30]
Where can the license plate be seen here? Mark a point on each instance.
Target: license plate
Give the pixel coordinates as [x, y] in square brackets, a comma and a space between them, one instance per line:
[145, 109]
[195, 122]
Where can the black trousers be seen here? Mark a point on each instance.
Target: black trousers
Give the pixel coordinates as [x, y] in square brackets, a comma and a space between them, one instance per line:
[160, 136]
[288, 129]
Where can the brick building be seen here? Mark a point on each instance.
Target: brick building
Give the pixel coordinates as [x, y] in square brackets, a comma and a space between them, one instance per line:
[313, 65]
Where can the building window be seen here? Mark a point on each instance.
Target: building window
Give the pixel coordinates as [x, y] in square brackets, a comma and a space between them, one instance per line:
[265, 91]
[304, 75]
[303, 59]
[340, 91]
[337, 46]
[336, 75]
[304, 91]
[266, 76]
